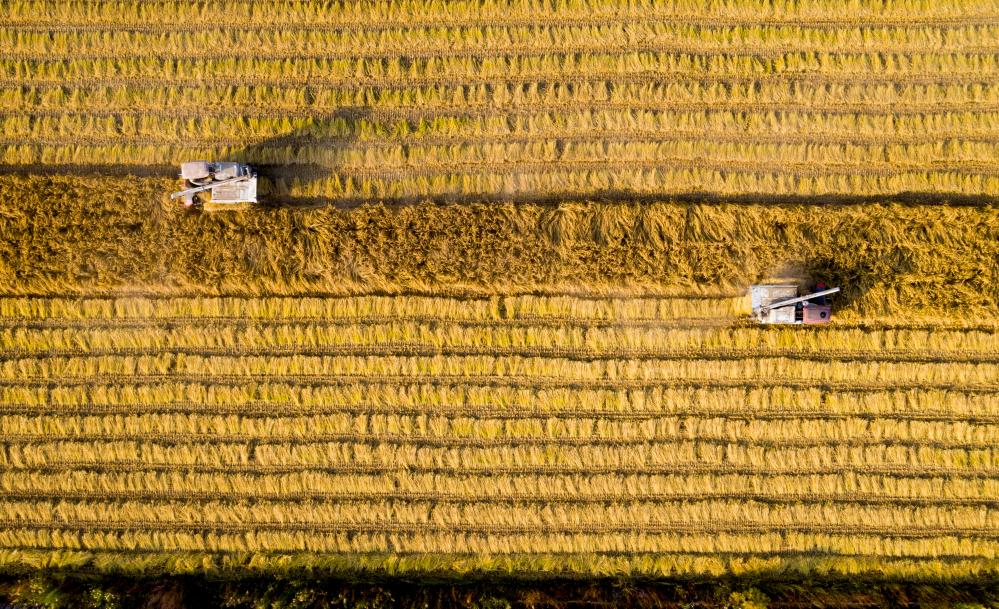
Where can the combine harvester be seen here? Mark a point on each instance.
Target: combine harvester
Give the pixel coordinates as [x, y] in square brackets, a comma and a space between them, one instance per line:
[781, 304]
[227, 185]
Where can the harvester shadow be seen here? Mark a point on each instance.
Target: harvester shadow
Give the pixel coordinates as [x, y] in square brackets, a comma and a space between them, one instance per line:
[855, 277]
[282, 162]
[288, 172]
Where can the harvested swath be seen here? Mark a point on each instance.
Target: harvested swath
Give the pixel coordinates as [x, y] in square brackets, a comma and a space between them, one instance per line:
[804, 543]
[662, 177]
[349, 564]
[319, 13]
[386, 454]
[443, 430]
[186, 484]
[515, 369]
[450, 159]
[488, 40]
[273, 398]
[577, 341]
[416, 514]
[444, 102]
[557, 308]
[569, 125]
[628, 66]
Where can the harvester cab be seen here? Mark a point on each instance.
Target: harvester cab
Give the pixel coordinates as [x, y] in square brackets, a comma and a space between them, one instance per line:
[781, 304]
[226, 183]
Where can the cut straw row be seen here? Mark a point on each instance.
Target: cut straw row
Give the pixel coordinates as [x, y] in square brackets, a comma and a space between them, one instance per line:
[537, 542]
[887, 450]
[483, 40]
[283, 101]
[264, 397]
[183, 483]
[325, 14]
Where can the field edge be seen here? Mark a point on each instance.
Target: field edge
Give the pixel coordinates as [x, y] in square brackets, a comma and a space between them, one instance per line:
[521, 566]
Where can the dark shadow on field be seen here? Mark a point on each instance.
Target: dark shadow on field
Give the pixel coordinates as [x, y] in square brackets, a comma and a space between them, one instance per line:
[273, 175]
[277, 178]
[854, 278]
[338, 132]
[915, 199]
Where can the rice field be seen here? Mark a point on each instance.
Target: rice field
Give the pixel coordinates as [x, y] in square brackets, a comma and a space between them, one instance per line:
[494, 317]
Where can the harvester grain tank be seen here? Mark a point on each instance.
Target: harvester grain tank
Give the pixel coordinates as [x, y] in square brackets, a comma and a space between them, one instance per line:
[782, 304]
[227, 183]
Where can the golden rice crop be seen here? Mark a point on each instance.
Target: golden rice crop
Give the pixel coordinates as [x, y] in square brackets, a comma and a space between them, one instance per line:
[810, 96]
[105, 459]
[294, 463]
[523, 564]
[925, 263]
[371, 397]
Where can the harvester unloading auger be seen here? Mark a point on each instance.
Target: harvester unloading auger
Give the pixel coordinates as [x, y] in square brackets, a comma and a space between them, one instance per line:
[227, 183]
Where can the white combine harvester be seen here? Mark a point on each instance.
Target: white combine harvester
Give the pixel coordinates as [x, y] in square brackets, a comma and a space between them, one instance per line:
[227, 183]
[781, 304]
